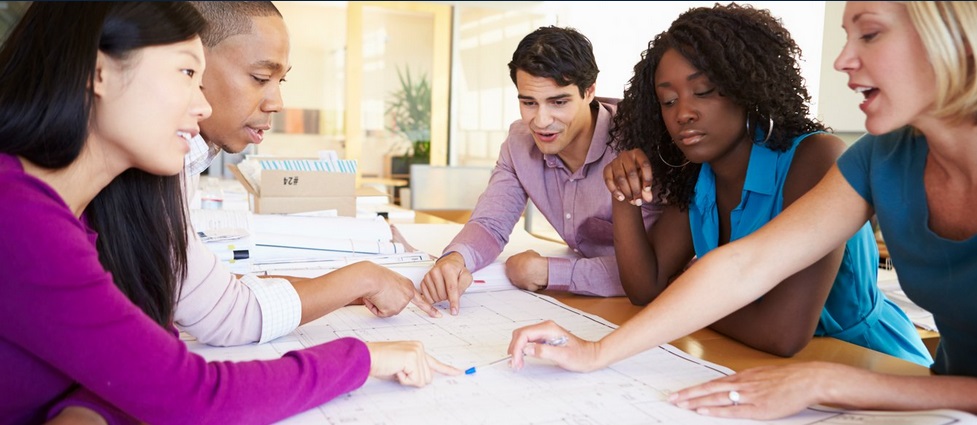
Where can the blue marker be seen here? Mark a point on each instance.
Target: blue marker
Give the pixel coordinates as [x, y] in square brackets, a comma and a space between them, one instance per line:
[471, 370]
[556, 342]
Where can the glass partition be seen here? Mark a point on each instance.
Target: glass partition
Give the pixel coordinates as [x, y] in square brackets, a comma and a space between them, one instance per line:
[314, 91]
[397, 96]
[484, 97]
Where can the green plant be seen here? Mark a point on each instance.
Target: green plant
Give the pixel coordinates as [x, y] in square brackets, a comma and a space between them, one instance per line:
[409, 113]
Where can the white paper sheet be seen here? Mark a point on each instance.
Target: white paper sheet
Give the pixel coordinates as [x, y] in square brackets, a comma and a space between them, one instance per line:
[432, 238]
[889, 284]
[630, 392]
[375, 229]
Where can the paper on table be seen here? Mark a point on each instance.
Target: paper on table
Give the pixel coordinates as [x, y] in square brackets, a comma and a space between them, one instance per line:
[218, 224]
[632, 391]
[392, 212]
[491, 278]
[319, 267]
[318, 243]
[889, 284]
[364, 229]
[432, 238]
[281, 238]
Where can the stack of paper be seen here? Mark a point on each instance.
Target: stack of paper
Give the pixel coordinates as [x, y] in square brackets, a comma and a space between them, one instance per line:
[432, 238]
[889, 284]
[310, 246]
[303, 245]
[227, 234]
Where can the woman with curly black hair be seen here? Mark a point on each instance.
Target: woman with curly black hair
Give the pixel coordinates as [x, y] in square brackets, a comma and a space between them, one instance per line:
[716, 112]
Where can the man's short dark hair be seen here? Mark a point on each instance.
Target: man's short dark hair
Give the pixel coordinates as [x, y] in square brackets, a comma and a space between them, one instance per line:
[229, 18]
[562, 54]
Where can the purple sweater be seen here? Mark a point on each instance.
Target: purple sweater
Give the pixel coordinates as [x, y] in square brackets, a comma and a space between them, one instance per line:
[70, 337]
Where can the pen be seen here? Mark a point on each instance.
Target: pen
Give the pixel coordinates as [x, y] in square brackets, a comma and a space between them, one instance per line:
[556, 342]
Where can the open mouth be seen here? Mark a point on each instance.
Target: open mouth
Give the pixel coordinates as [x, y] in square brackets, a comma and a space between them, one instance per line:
[256, 135]
[868, 93]
[546, 137]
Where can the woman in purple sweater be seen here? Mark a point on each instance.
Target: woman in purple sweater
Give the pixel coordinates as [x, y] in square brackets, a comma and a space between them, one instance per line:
[97, 102]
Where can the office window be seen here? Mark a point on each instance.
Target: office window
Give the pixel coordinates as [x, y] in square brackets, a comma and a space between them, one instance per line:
[397, 57]
[314, 92]
[483, 96]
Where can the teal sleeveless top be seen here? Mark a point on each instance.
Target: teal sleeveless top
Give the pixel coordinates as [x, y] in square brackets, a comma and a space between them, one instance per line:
[856, 311]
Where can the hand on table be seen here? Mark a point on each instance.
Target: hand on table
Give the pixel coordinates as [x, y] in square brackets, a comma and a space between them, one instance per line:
[447, 280]
[394, 291]
[406, 362]
[576, 354]
[528, 270]
[765, 392]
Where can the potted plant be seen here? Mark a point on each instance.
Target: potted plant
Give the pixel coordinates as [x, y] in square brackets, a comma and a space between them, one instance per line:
[409, 115]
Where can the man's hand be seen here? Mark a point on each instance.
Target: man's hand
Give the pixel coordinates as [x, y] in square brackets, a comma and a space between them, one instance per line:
[447, 280]
[528, 270]
[393, 291]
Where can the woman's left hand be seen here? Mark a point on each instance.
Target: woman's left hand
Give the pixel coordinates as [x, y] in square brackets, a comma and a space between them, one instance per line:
[766, 392]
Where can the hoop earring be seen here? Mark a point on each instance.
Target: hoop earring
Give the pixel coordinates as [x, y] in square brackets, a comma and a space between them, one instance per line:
[769, 131]
[687, 161]
[749, 130]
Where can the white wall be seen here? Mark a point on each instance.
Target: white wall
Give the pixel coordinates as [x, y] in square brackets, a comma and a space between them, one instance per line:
[484, 99]
[392, 39]
[839, 105]
[317, 35]
[620, 31]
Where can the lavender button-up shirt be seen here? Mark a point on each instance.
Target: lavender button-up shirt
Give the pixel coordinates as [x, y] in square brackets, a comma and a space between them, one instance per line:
[577, 205]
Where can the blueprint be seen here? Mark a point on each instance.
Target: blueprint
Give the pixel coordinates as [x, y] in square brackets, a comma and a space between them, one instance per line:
[633, 391]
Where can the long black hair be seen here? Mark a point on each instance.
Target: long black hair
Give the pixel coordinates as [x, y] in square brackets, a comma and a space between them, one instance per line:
[750, 57]
[47, 67]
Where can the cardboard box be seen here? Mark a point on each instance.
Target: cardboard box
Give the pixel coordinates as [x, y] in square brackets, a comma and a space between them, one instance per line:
[293, 191]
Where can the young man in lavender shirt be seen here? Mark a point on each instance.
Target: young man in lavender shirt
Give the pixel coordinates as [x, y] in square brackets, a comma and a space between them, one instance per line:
[555, 156]
[247, 47]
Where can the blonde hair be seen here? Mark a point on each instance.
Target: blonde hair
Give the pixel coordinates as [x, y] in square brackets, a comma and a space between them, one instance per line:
[948, 30]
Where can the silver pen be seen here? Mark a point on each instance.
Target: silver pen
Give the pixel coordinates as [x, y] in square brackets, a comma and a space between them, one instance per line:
[556, 342]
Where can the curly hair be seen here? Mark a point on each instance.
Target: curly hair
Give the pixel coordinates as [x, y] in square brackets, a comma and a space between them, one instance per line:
[752, 60]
